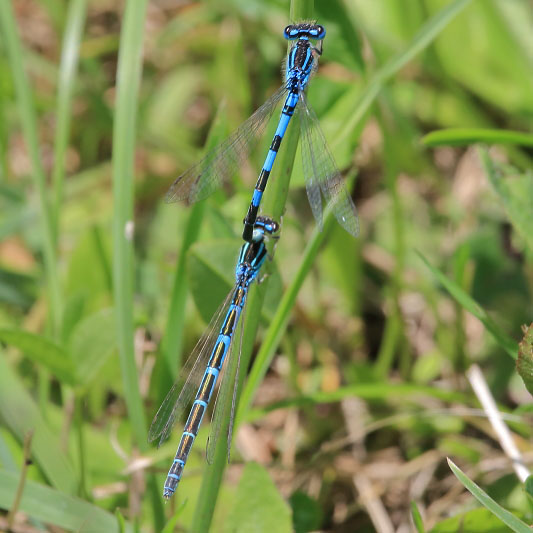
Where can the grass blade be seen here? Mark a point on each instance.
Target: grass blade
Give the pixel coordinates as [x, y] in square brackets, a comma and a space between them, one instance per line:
[274, 205]
[505, 516]
[417, 519]
[67, 74]
[428, 32]
[467, 136]
[128, 76]
[53, 507]
[21, 415]
[29, 127]
[43, 351]
[504, 341]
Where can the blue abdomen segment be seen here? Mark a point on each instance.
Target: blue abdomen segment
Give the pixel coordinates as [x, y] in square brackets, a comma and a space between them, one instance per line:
[206, 388]
[253, 210]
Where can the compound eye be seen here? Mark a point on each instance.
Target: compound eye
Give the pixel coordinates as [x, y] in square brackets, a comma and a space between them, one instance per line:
[321, 31]
[287, 32]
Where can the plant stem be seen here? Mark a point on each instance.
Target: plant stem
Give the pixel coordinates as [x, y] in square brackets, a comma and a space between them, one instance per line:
[274, 206]
[29, 128]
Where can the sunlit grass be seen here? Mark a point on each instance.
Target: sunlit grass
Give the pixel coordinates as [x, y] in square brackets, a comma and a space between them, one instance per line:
[104, 290]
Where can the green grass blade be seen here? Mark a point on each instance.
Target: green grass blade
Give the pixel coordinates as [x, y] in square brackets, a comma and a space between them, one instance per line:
[365, 391]
[280, 321]
[467, 136]
[515, 193]
[505, 516]
[524, 364]
[428, 32]
[67, 75]
[417, 518]
[503, 340]
[128, 76]
[21, 415]
[29, 127]
[274, 205]
[124, 128]
[53, 507]
[172, 342]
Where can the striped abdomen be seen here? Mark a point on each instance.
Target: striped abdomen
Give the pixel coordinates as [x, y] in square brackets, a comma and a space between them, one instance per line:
[205, 390]
[286, 114]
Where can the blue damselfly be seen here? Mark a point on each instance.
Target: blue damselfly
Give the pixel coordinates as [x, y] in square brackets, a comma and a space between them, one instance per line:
[323, 179]
[201, 371]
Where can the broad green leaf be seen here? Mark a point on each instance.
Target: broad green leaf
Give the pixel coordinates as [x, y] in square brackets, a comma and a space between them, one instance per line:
[73, 312]
[504, 341]
[20, 414]
[524, 363]
[467, 136]
[42, 351]
[54, 507]
[307, 514]
[505, 516]
[88, 269]
[16, 288]
[211, 267]
[93, 340]
[257, 492]
[476, 521]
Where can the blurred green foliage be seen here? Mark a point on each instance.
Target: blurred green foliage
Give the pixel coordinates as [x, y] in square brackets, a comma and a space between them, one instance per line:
[366, 342]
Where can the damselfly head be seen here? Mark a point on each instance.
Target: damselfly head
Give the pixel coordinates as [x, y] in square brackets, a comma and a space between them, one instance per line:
[264, 225]
[304, 30]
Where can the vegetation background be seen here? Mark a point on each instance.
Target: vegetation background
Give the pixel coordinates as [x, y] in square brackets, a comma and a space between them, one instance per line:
[359, 357]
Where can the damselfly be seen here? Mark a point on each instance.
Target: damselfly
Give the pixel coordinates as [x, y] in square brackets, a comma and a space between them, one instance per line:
[206, 363]
[323, 179]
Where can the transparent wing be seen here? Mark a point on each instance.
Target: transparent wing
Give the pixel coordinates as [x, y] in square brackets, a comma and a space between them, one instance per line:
[180, 396]
[227, 389]
[321, 173]
[222, 161]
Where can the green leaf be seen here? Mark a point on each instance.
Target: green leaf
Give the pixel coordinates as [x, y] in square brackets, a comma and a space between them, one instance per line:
[20, 415]
[306, 513]
[417, 519]
[524, 363]
[476, 521]
[505, 516]
[53, 507]
[504, 341]
[258, 505]
[211, 267]
[528, 485]
[467, 136]
[93, 340]
[42, 351]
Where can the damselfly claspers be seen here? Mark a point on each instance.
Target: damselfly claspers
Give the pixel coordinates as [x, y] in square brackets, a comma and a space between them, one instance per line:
[323, 179]
[206, 363]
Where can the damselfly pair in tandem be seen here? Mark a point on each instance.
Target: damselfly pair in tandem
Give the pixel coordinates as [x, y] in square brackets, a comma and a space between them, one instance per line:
[324, 186]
